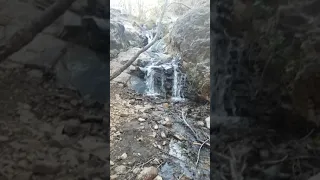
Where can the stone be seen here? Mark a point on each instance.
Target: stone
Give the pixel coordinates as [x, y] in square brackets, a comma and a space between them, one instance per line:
[123, 156]
[156, 127]
[167, 123]
[163, 134]
[113, 177]
[148, 173]
[45, 167]
[111, 163]
[207, 120]
[120, 169]
[158, 178]
[141, 120]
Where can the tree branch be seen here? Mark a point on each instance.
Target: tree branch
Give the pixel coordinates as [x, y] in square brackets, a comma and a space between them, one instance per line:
[25, 35]
[124, 67]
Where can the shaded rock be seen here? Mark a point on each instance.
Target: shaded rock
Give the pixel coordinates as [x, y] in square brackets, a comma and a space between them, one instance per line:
[23, 176]
[45, 167]
[304, 88]
[85, 70]
[4, 138]
[72, 127]
[60, 141]
[315, 177]
[89, 144]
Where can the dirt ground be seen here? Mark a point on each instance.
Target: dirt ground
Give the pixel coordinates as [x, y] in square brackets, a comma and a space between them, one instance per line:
[140, 136]
[48, 133]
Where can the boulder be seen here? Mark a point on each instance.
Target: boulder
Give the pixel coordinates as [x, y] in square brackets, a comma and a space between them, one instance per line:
[190, 36]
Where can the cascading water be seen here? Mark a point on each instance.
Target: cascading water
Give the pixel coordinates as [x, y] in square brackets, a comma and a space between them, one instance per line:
[162, 78]
[179, 80]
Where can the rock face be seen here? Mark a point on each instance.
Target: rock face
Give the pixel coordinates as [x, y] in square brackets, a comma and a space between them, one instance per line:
[190, 36]
[271, 77]
[122, 33]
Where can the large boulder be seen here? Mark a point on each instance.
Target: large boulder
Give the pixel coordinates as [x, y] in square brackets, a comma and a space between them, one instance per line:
[190, 37]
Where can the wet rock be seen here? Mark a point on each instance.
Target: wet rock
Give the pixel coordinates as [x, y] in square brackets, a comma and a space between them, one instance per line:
[45, 167]
[148, 173]
[120, 169]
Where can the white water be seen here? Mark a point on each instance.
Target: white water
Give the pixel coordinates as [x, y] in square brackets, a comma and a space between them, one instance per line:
[179, 80]
[178, 84]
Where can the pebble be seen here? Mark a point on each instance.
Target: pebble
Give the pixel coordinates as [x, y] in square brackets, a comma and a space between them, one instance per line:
[111, 163]
[155, 127]
[148, 173]
[141, 120]
[163, 135]
[167, 123]
[123, 156]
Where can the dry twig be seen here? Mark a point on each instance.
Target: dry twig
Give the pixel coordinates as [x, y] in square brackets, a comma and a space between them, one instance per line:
[200, 151]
